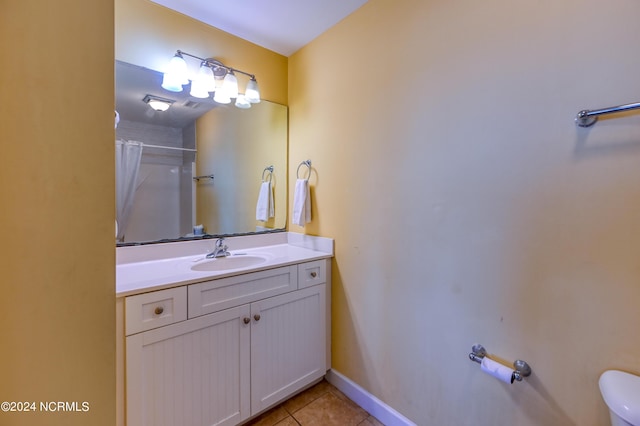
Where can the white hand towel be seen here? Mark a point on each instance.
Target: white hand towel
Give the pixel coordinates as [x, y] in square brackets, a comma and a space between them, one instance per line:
[264, 207]
[301, 203]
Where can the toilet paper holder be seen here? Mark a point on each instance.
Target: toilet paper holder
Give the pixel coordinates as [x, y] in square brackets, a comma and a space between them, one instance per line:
[520, 367]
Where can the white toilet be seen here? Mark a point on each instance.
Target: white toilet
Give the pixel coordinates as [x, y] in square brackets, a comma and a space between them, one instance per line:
[621, 392]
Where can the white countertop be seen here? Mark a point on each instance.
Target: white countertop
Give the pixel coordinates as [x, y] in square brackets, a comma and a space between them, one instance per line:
[139, 274]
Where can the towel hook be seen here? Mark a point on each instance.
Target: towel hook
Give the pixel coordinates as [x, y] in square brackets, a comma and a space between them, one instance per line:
[304, 163]
[270, 170]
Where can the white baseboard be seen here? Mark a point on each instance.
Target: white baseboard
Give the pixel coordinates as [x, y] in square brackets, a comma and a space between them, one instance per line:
[378, 409]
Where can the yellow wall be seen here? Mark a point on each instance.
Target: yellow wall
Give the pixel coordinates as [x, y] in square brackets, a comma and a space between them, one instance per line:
[467, 207]
[57, 217]
[149, 35]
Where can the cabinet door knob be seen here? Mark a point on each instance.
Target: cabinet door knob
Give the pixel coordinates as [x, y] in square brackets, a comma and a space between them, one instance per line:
[313, 274]
[256, 317]
[159, 310]
[246, 320]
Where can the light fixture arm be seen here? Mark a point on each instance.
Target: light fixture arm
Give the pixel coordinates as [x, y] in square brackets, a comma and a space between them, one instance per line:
[214, 63]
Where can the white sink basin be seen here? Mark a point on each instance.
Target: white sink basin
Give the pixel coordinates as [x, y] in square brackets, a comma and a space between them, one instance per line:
[229, 262]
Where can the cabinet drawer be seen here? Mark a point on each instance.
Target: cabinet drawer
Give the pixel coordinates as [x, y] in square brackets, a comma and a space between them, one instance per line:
[312, 273]
[156, 309]
[213, 296]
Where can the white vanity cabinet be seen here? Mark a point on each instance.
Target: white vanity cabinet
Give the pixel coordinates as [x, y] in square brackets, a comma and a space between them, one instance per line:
[287, 345]
[245, 343]
[190, 373]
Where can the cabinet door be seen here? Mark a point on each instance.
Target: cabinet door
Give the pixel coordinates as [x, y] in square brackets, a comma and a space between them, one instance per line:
[287, 345]
[192, 373]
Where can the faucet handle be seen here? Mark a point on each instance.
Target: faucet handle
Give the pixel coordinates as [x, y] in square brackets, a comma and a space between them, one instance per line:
[219, 242]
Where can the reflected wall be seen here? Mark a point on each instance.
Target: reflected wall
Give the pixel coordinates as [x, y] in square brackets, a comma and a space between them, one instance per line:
[236, 146]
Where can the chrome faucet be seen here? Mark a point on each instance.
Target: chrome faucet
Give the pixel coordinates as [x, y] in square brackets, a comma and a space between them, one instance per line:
[219, 250]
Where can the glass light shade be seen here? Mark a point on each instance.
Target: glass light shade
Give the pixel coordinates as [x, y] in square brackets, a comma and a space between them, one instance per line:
[176, 75]
[171, 83]
[178, 67]
[252, 93]
[203, 83]
[242, 102]
[221, 96]
[159, 105]
[230, 85]
[205, 76]
[198, 90]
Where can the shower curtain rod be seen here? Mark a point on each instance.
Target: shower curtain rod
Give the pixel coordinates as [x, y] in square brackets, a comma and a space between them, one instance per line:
[168, 147]
[586, 118]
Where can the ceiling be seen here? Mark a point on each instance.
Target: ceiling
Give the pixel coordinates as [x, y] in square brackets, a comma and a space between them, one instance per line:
[283, 26]
[133, 83]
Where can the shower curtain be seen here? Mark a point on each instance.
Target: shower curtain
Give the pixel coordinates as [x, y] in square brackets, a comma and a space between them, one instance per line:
[128, 155]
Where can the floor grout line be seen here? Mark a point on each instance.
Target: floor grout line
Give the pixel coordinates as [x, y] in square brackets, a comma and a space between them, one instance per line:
[315, 392]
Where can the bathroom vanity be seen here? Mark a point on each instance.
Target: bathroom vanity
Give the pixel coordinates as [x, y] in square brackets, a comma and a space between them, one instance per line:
[218, 341]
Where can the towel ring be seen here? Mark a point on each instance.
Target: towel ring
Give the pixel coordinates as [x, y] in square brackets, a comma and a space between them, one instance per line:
[304, 163]
[270, 170]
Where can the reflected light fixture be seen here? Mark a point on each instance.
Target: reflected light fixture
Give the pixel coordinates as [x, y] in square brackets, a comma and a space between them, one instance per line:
[212, 77]
[221, 96]
[242, 101]
[176, 75]
[157, 103]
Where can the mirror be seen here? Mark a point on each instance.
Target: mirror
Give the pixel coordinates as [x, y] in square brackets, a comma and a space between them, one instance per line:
[201, 163]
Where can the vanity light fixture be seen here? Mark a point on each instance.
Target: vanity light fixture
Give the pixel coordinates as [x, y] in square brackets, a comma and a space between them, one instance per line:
[157, 103]
[251, 92]
[203, 83]
[212, 77]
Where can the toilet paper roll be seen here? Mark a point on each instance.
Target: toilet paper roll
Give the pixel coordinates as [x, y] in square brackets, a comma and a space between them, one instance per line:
[497, 370]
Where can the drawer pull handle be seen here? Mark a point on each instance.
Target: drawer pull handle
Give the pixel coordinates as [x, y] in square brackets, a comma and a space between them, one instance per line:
[159, 310]
[246, 320]
[314, 274]
[256, 317]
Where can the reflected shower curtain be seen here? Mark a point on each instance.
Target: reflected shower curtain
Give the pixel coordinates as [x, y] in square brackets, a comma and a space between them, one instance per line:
[128, 155]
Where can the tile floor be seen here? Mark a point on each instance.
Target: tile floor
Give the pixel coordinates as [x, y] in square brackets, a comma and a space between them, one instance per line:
[320, 405]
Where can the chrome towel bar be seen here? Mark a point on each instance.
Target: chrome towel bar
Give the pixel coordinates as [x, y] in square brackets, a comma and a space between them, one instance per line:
[586, 118]
[197, 178]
